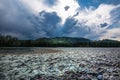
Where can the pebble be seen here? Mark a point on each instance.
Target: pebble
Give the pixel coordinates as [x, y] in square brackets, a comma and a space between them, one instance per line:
[60, 67]
[2, 76]
[100, 77]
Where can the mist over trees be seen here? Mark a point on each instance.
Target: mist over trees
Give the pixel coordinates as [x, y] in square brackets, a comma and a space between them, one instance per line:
[9, 41]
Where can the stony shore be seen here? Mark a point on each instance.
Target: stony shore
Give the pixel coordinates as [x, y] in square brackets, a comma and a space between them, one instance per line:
[60, 64]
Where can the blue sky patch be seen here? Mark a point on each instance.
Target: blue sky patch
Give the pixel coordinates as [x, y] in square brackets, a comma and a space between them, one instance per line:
[50, 2]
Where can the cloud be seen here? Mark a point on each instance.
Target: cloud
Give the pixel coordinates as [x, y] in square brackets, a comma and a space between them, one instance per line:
[66, 8]
[52, 18]
[39, 5]
[48, 23]
[103, 25]
[97, 19]
[113, 34]
[97, 16]
[14, 20]
[71, 29]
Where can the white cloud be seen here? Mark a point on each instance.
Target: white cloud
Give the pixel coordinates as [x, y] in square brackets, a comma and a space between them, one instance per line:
[89, 18]
[38, 5]
[113, 34]
[93, 18]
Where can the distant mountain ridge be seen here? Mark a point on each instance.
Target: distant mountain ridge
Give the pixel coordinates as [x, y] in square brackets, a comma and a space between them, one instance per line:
[75, 39]
[9, 41]
[66, 39]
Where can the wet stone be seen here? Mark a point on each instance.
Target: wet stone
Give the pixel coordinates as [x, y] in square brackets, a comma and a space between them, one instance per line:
[100, 77]
[21, 79]
[38, 77]
[72, 64]
[93, 74]
[2, 76]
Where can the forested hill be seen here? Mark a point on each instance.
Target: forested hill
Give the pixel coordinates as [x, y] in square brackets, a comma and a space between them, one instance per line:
[9, 41]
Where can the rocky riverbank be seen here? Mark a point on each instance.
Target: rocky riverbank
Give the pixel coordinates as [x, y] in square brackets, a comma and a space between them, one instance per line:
[60, 64]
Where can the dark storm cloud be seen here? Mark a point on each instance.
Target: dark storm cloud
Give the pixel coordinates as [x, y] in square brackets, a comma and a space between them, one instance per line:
[66, 8]
[71, 29]
[76, 14]
[50, 22]
[47, 22]
[103, 25]
[69, 25]
[17, 20]
[13, 20]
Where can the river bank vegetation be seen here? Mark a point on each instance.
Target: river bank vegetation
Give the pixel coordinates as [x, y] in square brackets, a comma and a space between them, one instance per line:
[9, 41]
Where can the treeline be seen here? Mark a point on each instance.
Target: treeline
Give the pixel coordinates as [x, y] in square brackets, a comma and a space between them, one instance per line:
[9, 41]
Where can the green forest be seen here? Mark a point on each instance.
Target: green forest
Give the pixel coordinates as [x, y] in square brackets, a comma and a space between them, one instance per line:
[9, 41]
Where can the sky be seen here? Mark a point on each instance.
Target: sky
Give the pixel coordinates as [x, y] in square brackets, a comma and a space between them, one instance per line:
[32, 19]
